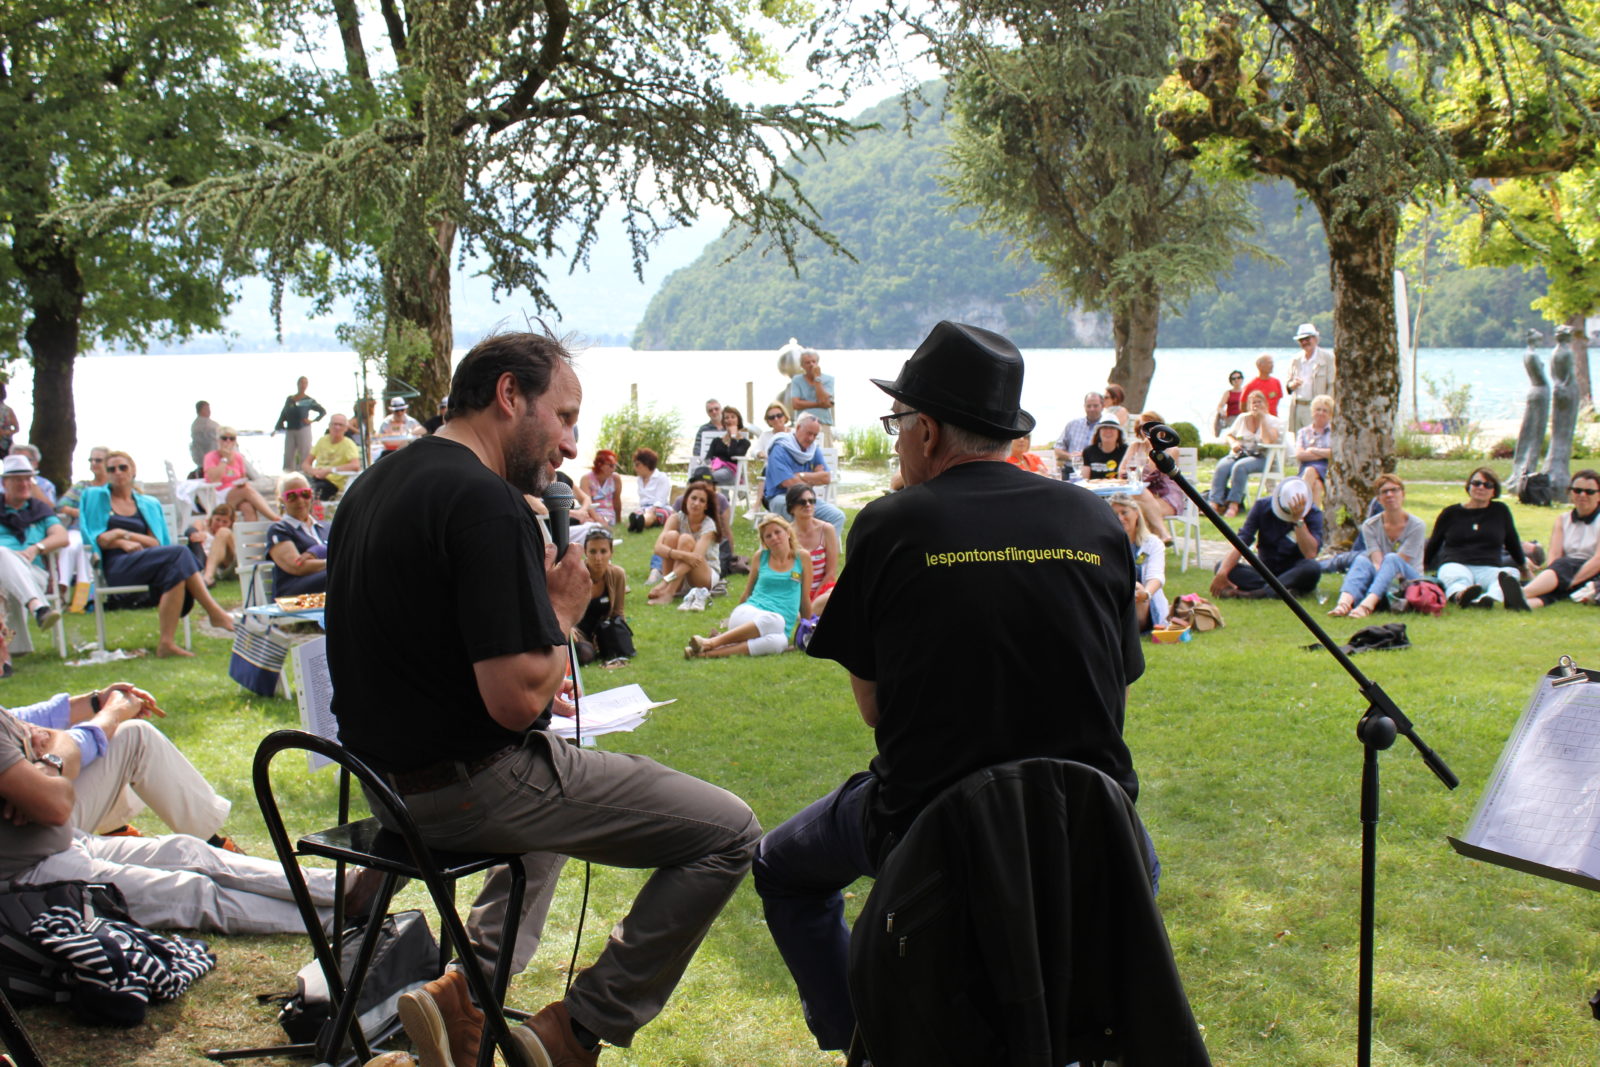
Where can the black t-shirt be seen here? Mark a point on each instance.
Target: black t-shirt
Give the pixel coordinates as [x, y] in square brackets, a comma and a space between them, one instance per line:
[1103, 464]
[994, 610]
[434, 563]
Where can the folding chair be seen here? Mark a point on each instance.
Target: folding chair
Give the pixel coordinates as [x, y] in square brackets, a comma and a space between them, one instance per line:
[103, 589]
[830, 459]
[1271, 474]
[255, 568]
[402, 854]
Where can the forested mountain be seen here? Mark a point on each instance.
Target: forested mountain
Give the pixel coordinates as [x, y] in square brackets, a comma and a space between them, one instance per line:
[917, 263]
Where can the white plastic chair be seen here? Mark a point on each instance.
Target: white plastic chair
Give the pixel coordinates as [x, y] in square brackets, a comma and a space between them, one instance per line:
[255, 567]
[830, 491]
[103, 589]
[1185, 525]
[1272, 473]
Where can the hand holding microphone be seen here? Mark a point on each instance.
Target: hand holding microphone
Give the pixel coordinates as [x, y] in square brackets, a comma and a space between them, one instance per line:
[558, 501]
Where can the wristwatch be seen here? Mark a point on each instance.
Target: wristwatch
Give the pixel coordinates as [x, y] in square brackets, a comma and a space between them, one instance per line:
[54, 761]
[94, 701]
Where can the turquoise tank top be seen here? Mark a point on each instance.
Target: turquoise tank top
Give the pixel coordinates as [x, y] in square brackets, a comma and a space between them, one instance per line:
[777, 591]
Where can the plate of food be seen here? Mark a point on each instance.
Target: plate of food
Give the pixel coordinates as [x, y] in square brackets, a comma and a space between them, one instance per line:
[304, 602]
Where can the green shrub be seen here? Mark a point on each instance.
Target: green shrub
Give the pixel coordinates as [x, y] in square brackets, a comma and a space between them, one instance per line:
[1505, 448]
[1408, 445]
[1214, 450]
[627, 430]
[1188, 435]
[865, 444]
[1582, 449]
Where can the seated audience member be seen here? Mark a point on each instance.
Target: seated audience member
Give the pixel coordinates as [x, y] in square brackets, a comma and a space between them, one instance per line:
[1265, 384]
[231, 473]
[598, 634]
[28, 529]
[690, 561]
[72, 768]
[713, 422]
[129, 532]
[1160, 495]
[1076, 436]
[298, 543]
[1114, 397]
[1573, 560]
[1247, 439]
[655, 492]
[431, 424]
[75, 564]
[796, 459]
[1314, 446]
[725, 451]
[1393, 542]
[816, 539]
[43, 487]
[1021, 456]
[604, 486]
[399, 429]
[211, 539]
[776, 597]
[777, 420]
[1286, 530]
[1103, 455]
[1468, 540]
[333, 459]
[1149, 560]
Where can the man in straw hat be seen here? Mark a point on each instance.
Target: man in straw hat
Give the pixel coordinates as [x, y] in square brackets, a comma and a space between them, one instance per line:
[1287, 530]
[1028, 582]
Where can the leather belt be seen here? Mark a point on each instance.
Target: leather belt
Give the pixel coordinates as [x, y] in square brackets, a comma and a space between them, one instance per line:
[439, 775]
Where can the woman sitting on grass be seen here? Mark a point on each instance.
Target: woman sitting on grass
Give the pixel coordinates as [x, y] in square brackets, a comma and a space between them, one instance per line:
[816, 539]
[599, 634]
[688, 550]
[130, 533]
[1573, 560]
[1467, 541]
[1150, 557]
[776, 598]
[1394, 540]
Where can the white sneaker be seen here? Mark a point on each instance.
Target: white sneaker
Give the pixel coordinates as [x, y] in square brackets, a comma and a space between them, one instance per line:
[654, 579]
[702, 597]
[688, 601]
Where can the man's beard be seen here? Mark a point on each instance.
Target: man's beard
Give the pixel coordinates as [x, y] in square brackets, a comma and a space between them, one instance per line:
[527, 466]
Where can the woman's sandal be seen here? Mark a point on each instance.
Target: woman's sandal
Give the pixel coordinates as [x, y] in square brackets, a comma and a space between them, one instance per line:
[1341, 610]
[1361, 611]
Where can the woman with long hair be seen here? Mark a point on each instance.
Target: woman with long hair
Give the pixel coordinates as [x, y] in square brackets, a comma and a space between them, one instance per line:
[129, 532]
[816, 539]
[725, 451]
[1150, 557]
[776, 598]
[688, 549]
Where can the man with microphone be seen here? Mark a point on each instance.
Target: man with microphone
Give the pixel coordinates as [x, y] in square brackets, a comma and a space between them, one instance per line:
[447, 619]
[985, 615]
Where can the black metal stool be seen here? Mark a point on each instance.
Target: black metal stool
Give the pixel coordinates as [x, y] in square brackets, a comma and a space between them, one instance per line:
[366, 843]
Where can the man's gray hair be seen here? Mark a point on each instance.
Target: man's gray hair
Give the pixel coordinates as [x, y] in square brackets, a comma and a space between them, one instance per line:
[965, 442]
[1098, 396]
[806, 417]
[31, 451]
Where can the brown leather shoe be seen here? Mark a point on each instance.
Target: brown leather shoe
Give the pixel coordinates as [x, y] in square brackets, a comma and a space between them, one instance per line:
[442, 1022]
[547, 1040]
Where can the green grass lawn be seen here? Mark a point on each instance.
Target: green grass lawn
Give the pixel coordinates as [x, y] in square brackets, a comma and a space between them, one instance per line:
[1245, 746]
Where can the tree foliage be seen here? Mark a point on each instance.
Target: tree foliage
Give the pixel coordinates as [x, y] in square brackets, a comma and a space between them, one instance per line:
[1364, 106]
[506, 130]
[1054, 146]
[96, 100]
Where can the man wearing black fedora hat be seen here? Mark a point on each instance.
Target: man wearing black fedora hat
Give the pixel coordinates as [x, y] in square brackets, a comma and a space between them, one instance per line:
[984, 615]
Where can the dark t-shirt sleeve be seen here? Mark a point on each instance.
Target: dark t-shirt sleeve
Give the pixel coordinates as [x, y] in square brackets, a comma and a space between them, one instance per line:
[500, 601]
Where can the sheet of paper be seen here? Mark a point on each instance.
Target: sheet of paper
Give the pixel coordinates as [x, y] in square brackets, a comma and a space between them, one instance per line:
[1543, 801]
[608, 711]
[315, 692]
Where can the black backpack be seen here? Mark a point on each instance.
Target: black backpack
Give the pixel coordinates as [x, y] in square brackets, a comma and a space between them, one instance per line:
[30, 973]
[1535, 490]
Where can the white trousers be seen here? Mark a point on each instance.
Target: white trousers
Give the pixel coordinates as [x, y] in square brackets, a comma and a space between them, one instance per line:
[20, 582]
[141, 768]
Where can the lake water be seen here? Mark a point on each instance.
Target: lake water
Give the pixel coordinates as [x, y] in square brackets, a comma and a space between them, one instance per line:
[143, 404]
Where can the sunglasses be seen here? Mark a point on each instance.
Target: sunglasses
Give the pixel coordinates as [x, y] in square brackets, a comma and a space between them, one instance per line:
[1479, 483]
[810, 501]
[296, 494]
[119, 468]
[776, 415]
[1582, 492]
[226, 437]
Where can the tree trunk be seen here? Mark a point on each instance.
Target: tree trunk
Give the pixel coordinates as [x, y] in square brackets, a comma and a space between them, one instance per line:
[1580, 358]
[55, 290]
[425, 303]
[1134, 325]
[1361, 255]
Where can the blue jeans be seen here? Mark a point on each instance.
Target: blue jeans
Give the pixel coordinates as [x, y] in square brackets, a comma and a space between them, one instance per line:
[800, 872]
[1233, 478]
[825, 511]
[1366, 578]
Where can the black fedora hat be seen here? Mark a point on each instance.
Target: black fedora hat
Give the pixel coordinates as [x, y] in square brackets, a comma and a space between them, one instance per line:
[966, 376]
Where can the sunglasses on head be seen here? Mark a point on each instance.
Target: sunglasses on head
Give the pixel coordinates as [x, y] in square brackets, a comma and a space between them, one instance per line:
[296, 494]
[1479, 483]
[118, 468]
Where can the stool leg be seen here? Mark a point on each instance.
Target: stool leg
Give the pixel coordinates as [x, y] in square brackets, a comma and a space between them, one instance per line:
[490, 995]
[340, 1026]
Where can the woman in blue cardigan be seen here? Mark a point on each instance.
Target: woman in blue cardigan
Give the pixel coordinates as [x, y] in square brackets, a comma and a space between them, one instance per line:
[129, 533]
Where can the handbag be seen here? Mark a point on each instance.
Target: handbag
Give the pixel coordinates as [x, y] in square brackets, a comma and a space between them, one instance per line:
[259, 650]
[406, 957]
[613, 637]
[1201, 614]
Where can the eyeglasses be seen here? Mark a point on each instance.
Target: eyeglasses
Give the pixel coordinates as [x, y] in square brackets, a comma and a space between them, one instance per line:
[1582, 492]
[97, 459]
[1479, 483]
[1235, 377]
[891, 422]
[811, 501]
[776, 415]
[296, 494]
[119, 468]
[226, 437]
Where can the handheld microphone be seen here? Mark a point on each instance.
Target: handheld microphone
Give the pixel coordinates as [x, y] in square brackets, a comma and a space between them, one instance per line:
[1161, 437]
[558, 501]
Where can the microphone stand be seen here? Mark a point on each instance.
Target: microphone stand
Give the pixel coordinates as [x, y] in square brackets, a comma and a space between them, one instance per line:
[1379, 725]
